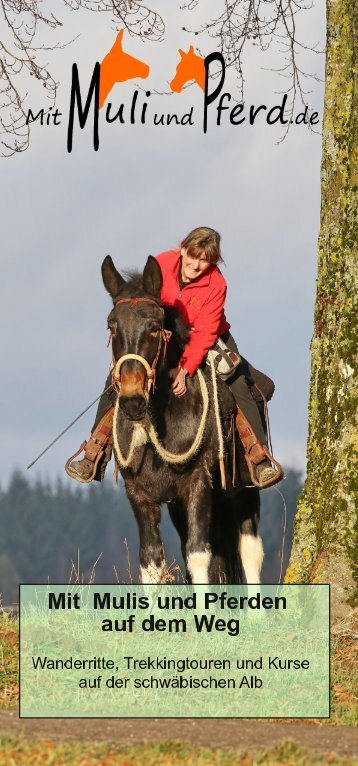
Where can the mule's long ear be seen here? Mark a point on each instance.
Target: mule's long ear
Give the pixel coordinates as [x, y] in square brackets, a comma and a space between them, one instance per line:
[152, 277]
[112, 280]
[119, 38]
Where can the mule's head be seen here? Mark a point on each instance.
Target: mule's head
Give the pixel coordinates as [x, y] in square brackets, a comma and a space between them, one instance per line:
[136, 323]
[119, 66]
[122, 65]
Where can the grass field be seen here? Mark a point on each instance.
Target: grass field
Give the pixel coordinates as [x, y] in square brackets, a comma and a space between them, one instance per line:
[9, 636]
[22, 753]
[343, 673]
[18, 751]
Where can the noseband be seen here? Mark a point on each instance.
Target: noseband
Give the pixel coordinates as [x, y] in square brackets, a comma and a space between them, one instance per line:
[165, 336]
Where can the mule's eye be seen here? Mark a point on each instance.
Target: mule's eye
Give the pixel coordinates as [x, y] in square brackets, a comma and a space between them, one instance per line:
[154, 332]
[112, 326]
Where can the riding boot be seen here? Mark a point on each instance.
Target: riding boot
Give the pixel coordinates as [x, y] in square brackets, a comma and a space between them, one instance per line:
[98, 452]
[263, 468]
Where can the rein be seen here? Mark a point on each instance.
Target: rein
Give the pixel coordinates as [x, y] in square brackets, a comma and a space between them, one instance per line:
[151, 435]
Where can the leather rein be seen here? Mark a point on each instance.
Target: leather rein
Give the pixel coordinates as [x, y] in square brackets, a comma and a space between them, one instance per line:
[164, 337]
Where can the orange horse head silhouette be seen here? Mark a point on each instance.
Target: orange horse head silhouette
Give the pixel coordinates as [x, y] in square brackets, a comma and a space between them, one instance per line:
[190, 67]
[119, 66]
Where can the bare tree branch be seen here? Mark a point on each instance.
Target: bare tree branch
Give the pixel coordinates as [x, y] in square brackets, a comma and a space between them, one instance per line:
[20, 54]
[265, 24]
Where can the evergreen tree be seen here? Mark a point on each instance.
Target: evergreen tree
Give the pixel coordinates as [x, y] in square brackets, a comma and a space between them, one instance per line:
[58, 534]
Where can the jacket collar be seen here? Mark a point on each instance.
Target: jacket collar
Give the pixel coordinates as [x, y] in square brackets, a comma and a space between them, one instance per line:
[202, 281]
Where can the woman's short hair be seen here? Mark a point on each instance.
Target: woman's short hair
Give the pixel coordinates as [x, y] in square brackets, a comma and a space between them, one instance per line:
[204, 240]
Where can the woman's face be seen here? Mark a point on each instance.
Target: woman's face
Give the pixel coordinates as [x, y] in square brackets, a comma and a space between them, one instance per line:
[193, 266]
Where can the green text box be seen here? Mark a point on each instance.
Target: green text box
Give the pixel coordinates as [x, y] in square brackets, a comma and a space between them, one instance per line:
[172, 651]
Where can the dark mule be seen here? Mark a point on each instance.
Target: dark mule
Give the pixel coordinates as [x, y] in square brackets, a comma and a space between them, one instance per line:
[218, 530]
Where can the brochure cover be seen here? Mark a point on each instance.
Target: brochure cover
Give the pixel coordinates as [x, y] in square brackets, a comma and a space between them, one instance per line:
[164, 186]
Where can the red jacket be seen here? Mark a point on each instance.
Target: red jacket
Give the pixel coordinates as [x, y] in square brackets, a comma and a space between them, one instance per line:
[201, 304]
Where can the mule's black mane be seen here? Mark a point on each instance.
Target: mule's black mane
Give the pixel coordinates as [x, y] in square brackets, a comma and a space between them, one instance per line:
[175, 323]
[133, 288]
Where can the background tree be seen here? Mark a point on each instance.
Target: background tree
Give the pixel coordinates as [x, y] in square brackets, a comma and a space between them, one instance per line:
[324, 548]
[325, 526]
[62, 533]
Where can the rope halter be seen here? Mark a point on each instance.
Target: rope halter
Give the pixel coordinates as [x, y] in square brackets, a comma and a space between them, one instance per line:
[164, 337]
[150, 433]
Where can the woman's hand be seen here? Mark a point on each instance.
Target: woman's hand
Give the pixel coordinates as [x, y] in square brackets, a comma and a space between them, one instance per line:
[178, 375]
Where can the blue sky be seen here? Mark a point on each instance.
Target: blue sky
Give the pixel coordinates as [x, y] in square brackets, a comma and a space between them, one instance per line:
[140, 194]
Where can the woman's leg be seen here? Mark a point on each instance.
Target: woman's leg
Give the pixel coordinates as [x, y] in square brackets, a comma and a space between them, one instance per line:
[98, 449]
[240, 388]
[107, 400]
[255, 442]
[247, 404]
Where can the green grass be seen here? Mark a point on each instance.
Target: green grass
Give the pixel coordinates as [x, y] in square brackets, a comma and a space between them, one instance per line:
[343, 673]
[42, 753]
[344, 691]
[9, 632]
[16, 751]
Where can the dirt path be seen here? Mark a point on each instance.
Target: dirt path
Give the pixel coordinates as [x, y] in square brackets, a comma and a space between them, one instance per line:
[241, 735]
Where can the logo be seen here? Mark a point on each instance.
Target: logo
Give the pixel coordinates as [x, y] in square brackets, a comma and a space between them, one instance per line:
[190, 67]
[119, 66]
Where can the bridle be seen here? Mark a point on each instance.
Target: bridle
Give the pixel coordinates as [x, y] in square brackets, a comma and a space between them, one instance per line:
[164, 337]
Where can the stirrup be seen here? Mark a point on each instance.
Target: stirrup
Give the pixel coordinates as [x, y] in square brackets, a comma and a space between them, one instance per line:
[278, 476]
[75, 475]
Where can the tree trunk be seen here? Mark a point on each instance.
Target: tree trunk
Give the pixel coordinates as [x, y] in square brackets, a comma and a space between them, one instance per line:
[325, 529]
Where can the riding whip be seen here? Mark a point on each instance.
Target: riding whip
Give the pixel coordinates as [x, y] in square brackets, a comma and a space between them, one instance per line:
[68, 427]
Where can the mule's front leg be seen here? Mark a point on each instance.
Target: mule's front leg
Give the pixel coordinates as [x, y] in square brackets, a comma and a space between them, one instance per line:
[251, 549]
[198, 502]
[151, 556]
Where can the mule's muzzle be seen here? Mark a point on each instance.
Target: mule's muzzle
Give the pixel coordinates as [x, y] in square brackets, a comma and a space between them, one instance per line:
[134, 407]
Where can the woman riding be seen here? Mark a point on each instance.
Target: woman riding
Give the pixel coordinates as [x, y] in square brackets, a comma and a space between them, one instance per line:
[193, 283]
